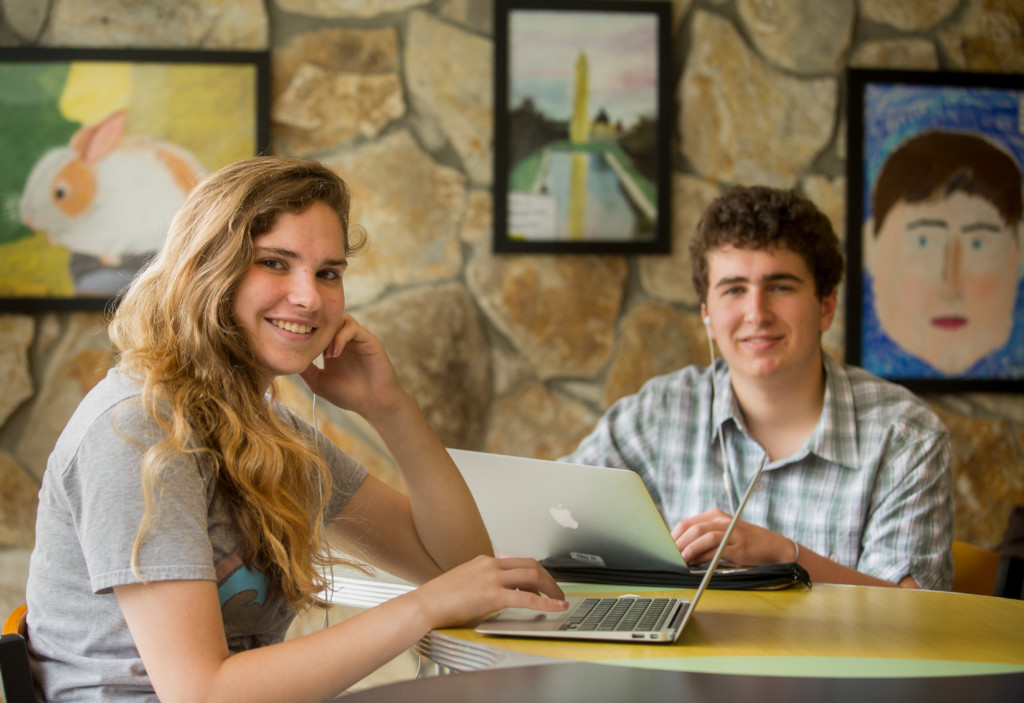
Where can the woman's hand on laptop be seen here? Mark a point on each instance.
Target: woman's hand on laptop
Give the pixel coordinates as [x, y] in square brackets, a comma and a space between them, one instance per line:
[484, 585]
[750, 545]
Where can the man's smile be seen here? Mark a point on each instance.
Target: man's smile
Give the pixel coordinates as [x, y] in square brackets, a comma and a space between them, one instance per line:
[760, 340]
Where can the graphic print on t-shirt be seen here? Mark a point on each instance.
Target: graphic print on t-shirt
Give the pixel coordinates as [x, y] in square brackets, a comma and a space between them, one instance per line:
[253, 615]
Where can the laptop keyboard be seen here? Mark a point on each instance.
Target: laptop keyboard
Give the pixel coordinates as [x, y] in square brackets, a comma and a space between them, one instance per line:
[619, 614]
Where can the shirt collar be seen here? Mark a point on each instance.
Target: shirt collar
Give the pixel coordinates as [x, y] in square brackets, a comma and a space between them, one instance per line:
[724, 407]
[834, 438]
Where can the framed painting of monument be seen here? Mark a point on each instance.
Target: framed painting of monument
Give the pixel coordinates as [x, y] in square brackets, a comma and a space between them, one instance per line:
[935, 285]
[581, 127]
[100, 148]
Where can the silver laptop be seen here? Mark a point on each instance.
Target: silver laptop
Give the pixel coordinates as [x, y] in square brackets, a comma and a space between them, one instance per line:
[596, 516]
[603, 515]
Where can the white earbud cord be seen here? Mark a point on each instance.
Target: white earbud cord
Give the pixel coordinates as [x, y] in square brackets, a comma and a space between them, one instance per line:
[327, 611]
[726, 465]
[320, 488]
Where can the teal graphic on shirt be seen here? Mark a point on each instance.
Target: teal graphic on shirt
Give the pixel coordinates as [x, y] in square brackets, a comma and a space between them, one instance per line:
[241, 580]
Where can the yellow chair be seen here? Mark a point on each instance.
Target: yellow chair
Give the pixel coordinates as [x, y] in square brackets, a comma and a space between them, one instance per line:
[16, 622]
[14, 667]
[974, 569]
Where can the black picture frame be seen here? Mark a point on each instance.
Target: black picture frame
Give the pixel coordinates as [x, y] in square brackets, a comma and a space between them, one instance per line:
[929, 302]
[557, 145]
[98, 146]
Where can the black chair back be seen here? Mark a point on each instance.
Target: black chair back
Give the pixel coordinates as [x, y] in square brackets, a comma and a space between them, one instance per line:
[15, 671]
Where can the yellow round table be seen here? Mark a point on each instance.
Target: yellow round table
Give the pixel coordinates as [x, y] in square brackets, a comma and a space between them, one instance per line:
[828, 630]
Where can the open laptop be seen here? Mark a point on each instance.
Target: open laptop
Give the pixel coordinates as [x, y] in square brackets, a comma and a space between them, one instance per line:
[600, 514]
[594, 516]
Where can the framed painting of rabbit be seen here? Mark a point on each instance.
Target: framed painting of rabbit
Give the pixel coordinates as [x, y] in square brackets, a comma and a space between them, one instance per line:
[99, 149]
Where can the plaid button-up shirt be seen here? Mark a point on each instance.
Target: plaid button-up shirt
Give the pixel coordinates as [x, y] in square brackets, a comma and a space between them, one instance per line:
[871, 488]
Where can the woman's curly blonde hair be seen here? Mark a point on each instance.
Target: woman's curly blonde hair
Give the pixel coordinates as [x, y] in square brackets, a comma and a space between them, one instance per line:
[175, 330]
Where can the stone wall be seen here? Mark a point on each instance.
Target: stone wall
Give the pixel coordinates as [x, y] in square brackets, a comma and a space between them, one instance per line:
[512, 354]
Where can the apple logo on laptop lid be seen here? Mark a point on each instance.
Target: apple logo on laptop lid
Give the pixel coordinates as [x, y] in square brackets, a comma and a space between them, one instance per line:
[563, 516]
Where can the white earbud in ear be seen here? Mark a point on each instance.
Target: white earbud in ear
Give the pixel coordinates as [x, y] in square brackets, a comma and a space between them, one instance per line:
[707, 321]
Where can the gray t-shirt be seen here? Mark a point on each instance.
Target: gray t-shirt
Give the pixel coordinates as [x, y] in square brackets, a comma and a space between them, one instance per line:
[90, 508]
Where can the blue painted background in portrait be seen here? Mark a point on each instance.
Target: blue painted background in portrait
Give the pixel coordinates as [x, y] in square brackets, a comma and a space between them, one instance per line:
[883, 357]
[892, 114]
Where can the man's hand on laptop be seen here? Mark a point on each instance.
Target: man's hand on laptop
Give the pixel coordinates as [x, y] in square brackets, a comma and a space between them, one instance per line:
[484, 585]
[750, 545]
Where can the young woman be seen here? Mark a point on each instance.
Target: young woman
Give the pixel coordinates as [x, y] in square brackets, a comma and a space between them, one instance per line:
[185, 515]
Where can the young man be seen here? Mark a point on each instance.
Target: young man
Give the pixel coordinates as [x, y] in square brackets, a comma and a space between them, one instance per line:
[858, 486]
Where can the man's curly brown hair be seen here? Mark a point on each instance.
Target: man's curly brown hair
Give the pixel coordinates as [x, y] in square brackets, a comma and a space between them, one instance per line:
[759, 217]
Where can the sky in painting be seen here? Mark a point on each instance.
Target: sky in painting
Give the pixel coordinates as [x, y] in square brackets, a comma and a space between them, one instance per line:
[621, 48]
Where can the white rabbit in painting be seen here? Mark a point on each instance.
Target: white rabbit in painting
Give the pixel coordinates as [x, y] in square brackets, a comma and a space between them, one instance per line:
[106, 195]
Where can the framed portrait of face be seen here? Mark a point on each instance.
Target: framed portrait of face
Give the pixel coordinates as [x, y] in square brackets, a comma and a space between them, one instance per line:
[935, 287]
[581, 127]
[100, 148]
